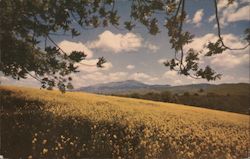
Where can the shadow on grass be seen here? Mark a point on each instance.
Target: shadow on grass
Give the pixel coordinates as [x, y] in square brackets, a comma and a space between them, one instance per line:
[29, 131]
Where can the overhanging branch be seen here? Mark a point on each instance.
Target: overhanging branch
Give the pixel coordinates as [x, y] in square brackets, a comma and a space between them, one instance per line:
[89, 65]
[219, 31]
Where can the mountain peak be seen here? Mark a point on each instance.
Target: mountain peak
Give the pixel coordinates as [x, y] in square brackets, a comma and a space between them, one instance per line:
[121, 86]
[125, 84]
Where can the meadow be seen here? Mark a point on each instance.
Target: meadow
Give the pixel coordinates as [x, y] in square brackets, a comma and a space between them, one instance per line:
[48, 124]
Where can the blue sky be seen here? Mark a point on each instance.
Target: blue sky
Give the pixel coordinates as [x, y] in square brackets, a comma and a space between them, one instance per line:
[138, 55]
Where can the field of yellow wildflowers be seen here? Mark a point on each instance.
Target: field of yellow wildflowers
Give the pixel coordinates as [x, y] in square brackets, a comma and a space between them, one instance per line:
[48, 124]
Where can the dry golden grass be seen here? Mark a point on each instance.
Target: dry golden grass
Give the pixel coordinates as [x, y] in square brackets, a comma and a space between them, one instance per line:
[83, 125]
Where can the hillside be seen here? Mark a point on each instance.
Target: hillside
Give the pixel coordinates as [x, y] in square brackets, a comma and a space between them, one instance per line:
[226, 97]
[232, 89]
[47, 124]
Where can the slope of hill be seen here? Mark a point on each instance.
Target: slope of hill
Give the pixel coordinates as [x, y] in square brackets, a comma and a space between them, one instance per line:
[230, 88]
[48, 124]
[226, 97]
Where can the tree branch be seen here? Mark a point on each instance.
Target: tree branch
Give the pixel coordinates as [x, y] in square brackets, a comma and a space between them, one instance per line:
[75, 19]
[219, 30]
[35, 77]
[113, 6]
[179, 5]
[66, 53]
[180, 29]
[56, 44]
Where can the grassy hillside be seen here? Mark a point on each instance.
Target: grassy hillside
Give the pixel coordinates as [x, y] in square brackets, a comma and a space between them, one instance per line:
[226, 97]
[232, 89]
[48, 124]
[220, 89]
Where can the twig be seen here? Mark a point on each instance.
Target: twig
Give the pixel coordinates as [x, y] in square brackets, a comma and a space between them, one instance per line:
[35, 77]
[66, 53]
[179, 5]
[113, 6]
[219, 30]
[180, 29]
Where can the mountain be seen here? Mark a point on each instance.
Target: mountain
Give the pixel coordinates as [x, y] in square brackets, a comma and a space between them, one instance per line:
[132, 86]
[129, 86]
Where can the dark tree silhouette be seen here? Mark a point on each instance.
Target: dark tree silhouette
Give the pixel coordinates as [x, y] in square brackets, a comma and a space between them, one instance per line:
[24, 23]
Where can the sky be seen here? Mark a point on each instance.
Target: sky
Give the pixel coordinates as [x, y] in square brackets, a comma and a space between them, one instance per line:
[137, 55]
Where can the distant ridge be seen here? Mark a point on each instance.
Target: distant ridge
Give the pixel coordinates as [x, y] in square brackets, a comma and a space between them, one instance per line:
[133, 86]
[121, 87]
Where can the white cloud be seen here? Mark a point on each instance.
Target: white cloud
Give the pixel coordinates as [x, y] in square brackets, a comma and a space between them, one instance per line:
[116, 43]
[117, 76]
[151, 47]
[29, 81]
[198, 17]
[232, 13]
[130, 67]
[225, 11]
[198, 43]
[69, 46]
[104, 77]
[170, 74]
[221, 4]
[233, 41]
[153, 79]
[3, 78]
[97, 77]
[232, 79]
[241, 14]
[143, 77]
[211, 18]
[161, 61]
[90, 66]
[188, 20]
[107, 66]
[228, 61]
[173, 78]
[139, 76]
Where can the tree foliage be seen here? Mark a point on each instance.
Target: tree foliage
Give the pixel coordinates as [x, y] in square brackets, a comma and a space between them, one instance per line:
[25, 23]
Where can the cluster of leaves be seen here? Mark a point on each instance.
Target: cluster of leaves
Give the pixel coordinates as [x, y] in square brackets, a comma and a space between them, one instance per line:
[143, 12]
[184, 62]
[51, 67]
[25, 23]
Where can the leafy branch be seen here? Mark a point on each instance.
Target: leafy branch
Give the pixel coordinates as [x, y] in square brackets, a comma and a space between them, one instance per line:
[220, 40]
[24, 23]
